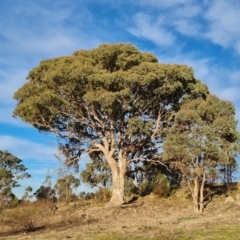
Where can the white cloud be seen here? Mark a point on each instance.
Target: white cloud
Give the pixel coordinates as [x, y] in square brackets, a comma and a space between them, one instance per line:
[151, 29]
[165, 4]
[30, 32]
[10, 82]
[215, 20]
[6, 117]
[44, 29]
[27, 150]
[187, 27]
[223, 17]
[230, 93]
[235, 76]
[187, 11]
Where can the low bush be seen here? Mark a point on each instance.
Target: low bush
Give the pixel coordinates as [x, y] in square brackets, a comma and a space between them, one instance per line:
[25, 219]
[103, 193]
[145, 188]
[161, 186]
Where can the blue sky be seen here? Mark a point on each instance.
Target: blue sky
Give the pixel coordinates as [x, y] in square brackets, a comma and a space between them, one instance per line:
[202, 34]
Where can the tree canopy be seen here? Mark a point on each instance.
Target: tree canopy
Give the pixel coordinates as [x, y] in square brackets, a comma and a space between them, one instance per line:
[11, 170]
[113, 100]
[45, 193]
[64, 187]
[203, 138]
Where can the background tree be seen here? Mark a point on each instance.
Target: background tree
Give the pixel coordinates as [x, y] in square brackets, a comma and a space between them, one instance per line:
[65, 186]
[27, 192]
[66, 181]
[113, 100]
[45, 193]
[203, 137]
[11, 170]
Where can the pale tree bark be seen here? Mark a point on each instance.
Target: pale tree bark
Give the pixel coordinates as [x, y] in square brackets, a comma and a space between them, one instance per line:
[198, 193]
[201, 205]
[117, 198]
[118, 174]
[195, 195]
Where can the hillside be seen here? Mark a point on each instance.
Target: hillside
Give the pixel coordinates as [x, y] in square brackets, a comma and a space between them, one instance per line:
[146, 218]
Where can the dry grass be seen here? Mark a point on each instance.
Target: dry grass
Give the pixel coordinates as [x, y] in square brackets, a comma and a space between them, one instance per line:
[147, 218]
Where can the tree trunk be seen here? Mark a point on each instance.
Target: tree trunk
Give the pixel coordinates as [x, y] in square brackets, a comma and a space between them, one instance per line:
[67, 191]
[117, 198]
[201, 193]
[195, 195]
[118, 173]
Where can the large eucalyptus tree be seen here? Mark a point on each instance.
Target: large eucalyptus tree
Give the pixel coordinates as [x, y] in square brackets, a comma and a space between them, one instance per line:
[114, 101]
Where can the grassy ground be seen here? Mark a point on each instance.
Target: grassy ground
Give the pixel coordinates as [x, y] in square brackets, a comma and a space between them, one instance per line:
[147, 218]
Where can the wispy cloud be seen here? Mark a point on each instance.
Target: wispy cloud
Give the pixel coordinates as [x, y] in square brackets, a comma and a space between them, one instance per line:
[43, 29]
[27, 150]
[165, 4]
[151, 29]
[7, 118]
[31, 32]
[187, 10]
[235, 77]
[215, 20]
[230, 93]
[186, 27]
[222, 16]
[10, 82]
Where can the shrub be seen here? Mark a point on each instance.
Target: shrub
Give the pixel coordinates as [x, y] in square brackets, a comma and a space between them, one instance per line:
[13, 203]
[27, 218]
[89, 196]
[161, 186]
[102, 194]
[145, 188]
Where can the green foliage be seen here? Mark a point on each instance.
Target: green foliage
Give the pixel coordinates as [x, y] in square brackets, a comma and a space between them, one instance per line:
[204, 135]
[86, 196]
[114, 101]
[145, 188]
[97, 172]
[11, 170]
[45, 193]
[65, 186]
[85, 92]
[203, 138]
[161, 186]
[13, 203]
[103, 193]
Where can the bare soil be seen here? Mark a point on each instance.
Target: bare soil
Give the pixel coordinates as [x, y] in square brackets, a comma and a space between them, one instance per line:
[146, 218]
